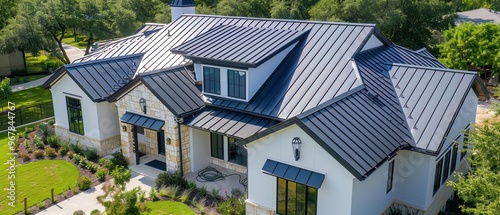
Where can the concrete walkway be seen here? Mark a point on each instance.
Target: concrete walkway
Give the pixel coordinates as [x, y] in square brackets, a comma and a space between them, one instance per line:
[30, 84]
[87, 200]
[73, 52]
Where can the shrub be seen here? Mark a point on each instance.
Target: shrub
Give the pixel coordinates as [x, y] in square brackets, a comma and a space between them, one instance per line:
[51, 122]
[106, 163]
[200, 204]
[95, 212]
[26, 143]
[71, 155]
[173, 191]
[119, 160]
[77, 148]
[101, 173]
[170, 178]
[192, 185]
[50, 152]
[91, 154]
[44, 129]
[203, 191]
[25, 156]
[142, 196]
[215, 193]
[19, 72]
[185, 195]
[65, 144]
[41, 205]
[5, 90]
[233, 205]
[77, 158]
[91, 166]
[39, 154]
[152, 194]
[38, 142]
[28, 130]
[63, 151]
[83, 183]
[79, 212]
[53, 141]
[52, 64]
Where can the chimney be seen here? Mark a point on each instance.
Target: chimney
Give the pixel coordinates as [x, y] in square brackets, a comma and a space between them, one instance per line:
[179, 7]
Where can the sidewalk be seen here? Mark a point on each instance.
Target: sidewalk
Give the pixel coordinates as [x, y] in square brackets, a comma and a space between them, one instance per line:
[30, 84]
[87, 200]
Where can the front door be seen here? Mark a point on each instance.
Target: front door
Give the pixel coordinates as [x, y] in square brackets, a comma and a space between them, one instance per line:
[161, 142]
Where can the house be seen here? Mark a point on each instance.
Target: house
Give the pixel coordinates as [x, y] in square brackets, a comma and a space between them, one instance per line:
[11, 61]
[322, 117]
[478, 16]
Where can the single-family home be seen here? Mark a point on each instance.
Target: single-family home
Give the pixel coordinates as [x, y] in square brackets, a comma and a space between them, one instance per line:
[322, 117]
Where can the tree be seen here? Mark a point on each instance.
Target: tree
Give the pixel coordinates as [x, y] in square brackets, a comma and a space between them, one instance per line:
[475, 4]
[291, 9]
[248, 8]
[472, 46]
[8, 10]
[480, 188]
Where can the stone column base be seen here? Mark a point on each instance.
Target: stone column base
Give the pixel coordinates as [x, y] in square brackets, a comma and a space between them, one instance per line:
[255, 209]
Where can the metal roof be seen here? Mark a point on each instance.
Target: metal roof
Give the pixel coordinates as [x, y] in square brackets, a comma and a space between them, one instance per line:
[142, 121]
[54, 77]
[150, 27]
[227, 122]
[359, 130]
[231, 44]
[101, 79]
[293, 173]
[182, 3]
[430, 97]
[478, 16]
[175, 89]
[425, 52]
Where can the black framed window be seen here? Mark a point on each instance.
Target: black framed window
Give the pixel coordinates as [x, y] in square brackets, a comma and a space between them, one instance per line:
[437, 176]
[294, 198]
[236, 84]
[211, 80]
[390, 176]
[75, 115]
[217, 145]
[465, 144]
[237, 154]
[446, 167]
[140, 130]
[454, 155]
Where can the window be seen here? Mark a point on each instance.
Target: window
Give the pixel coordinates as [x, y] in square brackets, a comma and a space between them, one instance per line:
[236, 84]
[437, 176]
[140, 130]
[446, 168]
[390, 176]
[294, 198]
[75, 115]
[217, 145]
[465, 144]
[211, 80]
[237, 154]
[454, 154]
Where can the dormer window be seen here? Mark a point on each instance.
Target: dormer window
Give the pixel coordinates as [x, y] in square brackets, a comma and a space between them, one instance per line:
[225, 82]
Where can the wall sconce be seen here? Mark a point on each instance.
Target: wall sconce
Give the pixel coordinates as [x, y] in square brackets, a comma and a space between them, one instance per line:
[124, 128]
[296, 143]
[168, 141]
[142, 104]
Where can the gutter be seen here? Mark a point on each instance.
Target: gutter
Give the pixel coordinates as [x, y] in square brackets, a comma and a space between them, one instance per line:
[179, 121]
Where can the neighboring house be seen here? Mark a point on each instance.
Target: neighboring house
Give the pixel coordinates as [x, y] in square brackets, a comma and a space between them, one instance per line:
[478, 16]
[11, 61]
[323, 117]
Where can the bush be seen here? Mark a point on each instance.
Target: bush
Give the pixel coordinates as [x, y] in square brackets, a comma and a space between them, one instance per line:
[51, 122]
[185, 195]
[38, 142]
[119, 160]
[63, 151]
[53, 141]
[95, 212]
[39, 154]
[91, 154]
[77, 158]
[50, 152]
[165, 179]
[71, 155]
[152, 194]
[84, 183]
[25, 156]
[44, 129]
[28, 130]
[91, 166]
[19, 72]
[5, 90]
[77, 148]
[233, 205]
[106, 163]
[52, 64]
[101, 173]
[79, 212]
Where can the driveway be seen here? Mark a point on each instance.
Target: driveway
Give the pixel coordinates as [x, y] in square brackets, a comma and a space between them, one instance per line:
[87, 200]
[73, 52]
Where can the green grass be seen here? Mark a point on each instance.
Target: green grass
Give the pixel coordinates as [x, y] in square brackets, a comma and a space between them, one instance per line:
[24, 79]
[35, 63]
[80, 40]
[27, 97]
[33, 180]
[169, 207]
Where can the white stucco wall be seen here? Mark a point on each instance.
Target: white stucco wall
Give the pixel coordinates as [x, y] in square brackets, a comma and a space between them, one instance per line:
[336, 190]
[373, 42]
[109, 125]
[200, 149]
[178, 11]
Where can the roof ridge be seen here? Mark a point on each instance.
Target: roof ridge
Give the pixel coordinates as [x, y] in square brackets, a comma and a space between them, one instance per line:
[415, 52]
[285, 20]
[71, 65]
[433, 68]
[168, 69]
[105, 49]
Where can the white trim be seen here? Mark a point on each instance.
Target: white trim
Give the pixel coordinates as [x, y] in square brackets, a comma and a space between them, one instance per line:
[223, 82]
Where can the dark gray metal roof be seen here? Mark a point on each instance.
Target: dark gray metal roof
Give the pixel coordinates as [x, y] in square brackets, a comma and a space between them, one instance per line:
[230, 44]
[54, 77]
[230, 123]
[358, 129]
[430, 98]
[425, 52]
[182, 3]
[150, 27]
[175, 89]
[142, 121]
[293, 173]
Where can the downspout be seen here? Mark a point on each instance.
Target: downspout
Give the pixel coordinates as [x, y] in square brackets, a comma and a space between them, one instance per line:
[179, 121]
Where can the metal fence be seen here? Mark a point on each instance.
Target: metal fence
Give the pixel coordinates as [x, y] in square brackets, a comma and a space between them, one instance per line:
[26, 115]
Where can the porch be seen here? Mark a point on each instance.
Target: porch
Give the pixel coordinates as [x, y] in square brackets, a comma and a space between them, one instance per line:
[219, 178]
[146, 170]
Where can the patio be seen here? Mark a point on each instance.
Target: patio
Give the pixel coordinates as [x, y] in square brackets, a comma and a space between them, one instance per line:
[143, 169]
[229, 181]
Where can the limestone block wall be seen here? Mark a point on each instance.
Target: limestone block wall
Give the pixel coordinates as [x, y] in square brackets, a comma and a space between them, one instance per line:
[186, 149]
[104, 147]
[255, 209]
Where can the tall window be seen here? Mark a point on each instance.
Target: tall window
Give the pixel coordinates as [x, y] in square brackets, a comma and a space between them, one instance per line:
[74, 115]
[437, 176]
[236, 84]
[294, 198]
[211, 80]
[217, 145]
[446, 169]
[465, 144]
[237, 154]
[390, 176]
[454, 155]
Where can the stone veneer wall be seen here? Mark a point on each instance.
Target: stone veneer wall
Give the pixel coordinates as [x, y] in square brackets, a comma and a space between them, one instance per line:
[104, 147]
[228, 165]
[186, 149]
[255, 209]
[151, 144]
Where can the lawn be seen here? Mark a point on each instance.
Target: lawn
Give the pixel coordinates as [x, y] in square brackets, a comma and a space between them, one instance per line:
[27, 97]
[35, 63]
[169, 207]
[80, 40]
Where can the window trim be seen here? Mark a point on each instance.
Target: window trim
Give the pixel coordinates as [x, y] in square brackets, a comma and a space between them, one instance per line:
[68, 107]
[390, 176]
[306, 197]
[245, 87]
[224, 82]
[244, 158]
[212, 143]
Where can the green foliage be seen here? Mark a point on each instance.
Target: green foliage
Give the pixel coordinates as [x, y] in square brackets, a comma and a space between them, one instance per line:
[95, 212]
[39, 154]
[200, 204]
[471, 45]
[25, 156]
[152, 194]
[38, 142]
[63, 151]
[119, 159]
[5, 90]
[475, 4]
[101, 173]
[184, 197]
[77, 148]
[165, 179]
[44, 129]
[118, 201]
[248, 8]
[83, 183]
[91, 154]
[52, 122]
[203, 191]
[479, 188]
[232, 205]
[79, 212]
[106, 163]
[53, 141]
[215, 193]
[121, 176]
[291, 9]
[52, 64]
[50, 152]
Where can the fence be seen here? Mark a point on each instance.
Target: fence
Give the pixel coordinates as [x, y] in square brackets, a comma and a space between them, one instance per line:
[27, 114]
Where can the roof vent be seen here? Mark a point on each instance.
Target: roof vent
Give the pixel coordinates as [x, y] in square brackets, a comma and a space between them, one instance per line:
[371, 96]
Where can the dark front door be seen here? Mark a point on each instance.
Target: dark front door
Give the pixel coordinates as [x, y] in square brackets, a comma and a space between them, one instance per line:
[161, 142]
[136, 145]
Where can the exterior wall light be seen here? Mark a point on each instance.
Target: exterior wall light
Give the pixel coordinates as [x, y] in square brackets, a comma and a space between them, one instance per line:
[142, 104]
[296, 143]
[124, 128]
[169, 141]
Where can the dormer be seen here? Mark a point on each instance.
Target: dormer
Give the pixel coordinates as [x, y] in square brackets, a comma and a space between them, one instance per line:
[234, 61]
